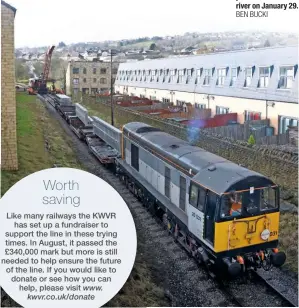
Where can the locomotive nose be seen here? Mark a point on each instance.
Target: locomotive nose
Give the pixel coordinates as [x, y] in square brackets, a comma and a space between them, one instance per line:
[278, 258]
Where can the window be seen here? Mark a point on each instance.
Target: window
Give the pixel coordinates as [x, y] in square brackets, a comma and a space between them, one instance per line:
[180, 103]
[103, 80]
[75, 70]
[189, 75]
[84, 79]
[172, 75]
[165, 100]
[153, 75]
[114, 71]
[94, 90]
[286, 77]
[103, 71]
[85, 90]
[221, 74]
[221, 110]
[207, 77]
[234, 75]
[94, 70]
[193, 195]
[94, 80]
[84, 70]
[76, 81]
[252, 115]
[198, 74]
[135, 157]
[181, 76]
[200, 106]
[231, 205]
[285, 122]
[264, 77]
[201, 199]
[248, 76]
[197, 197]
[167, 182]
[268, 199]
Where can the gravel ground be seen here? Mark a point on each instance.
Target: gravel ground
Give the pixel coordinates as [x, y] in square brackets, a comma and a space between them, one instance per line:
[185, 283]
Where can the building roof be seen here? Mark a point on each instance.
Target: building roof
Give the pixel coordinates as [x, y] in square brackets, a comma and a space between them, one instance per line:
[9, 6]
[273, 58]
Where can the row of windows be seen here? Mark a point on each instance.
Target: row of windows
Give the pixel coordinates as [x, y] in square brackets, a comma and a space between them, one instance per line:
[76, 70]
[286, 76]
[94, 80]
[92, 90]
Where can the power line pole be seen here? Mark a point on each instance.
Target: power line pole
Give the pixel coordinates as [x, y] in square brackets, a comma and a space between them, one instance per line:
[111, 89]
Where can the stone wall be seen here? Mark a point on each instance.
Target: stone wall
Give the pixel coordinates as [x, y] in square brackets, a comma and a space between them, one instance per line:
[278, 163]
[9, 160]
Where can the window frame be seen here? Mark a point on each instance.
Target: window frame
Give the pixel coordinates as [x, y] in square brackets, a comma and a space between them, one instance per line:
[75, 83]
[286, 76]
[222, 69]
[264, 77]
[208, 74]
[233, 78]
[181, 76]
[222, 107]
[246, 85]
[281, 118]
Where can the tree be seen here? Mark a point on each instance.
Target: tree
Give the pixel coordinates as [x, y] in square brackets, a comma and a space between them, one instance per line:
[251, 140]
[61, 44]
[21, 70]
[153, 46]
[267, 44]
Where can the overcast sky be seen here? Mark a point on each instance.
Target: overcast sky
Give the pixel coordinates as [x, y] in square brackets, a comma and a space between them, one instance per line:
[45, 22]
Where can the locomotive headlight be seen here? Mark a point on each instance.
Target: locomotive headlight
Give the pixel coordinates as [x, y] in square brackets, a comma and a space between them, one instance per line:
[265, 234]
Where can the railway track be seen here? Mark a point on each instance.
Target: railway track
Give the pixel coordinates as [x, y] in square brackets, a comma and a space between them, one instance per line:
[185, 278]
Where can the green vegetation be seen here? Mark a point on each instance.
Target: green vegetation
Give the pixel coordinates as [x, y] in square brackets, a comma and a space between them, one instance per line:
[251, 140]
[41, 142]
[288, 239]
[146, 44]
[21, 69]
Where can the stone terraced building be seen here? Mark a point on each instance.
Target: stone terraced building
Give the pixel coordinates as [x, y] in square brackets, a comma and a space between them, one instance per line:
[9, 158]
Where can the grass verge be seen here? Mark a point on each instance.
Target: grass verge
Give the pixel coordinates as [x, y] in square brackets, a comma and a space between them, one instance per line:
[41, 142]
[288, 239]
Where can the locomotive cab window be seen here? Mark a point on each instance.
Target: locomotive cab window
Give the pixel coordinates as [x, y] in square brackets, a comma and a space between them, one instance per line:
[231, 205]
[248, 203]
[268, 199]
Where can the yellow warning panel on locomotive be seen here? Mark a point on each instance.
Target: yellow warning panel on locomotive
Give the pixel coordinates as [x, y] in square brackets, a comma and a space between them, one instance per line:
[244, 232]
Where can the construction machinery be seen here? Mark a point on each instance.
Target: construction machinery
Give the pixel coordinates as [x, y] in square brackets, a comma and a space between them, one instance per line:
[39, 85]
